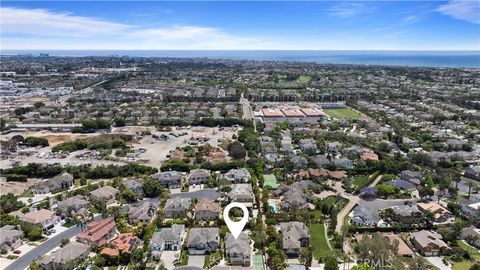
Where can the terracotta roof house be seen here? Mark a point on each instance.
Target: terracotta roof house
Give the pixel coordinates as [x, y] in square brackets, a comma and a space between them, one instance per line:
[106, 193]
[238, 251]
[44, 218]
[122, 243]
[10, 238]
[440, 213]
[61, 181]
[66, 258]
[369, 156]
[295, 236]
[98, 233]
[207, 210]
[203, 240]
[168, 239]
[429, 243]
[198, 176]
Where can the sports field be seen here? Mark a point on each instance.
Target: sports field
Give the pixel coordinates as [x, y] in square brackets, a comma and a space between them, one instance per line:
[258, 262]
[344, 113]
[270, 180]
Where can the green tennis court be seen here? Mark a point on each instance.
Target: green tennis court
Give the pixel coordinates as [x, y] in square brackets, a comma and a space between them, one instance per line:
[258, 262]
[270, 180]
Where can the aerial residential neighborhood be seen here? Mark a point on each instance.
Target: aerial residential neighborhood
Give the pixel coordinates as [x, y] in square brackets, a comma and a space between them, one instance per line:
[240, 135]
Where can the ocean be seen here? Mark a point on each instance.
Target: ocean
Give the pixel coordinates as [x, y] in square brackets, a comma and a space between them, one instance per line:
[467, 59]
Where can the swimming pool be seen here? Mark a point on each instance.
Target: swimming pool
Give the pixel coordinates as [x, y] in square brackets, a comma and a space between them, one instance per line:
[273, 205]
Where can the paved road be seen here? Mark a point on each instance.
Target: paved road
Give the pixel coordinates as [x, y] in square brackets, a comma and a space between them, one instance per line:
[247, 111]
[353, 201]
[24, 261]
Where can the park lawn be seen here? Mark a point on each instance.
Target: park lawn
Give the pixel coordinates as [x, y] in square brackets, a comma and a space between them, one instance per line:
[344, 113]
[319, 242]
[462, 265]
[303, 79]
[471, 250]
[330, 201]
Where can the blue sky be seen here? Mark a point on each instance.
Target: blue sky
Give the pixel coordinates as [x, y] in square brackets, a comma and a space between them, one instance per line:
[247, 25]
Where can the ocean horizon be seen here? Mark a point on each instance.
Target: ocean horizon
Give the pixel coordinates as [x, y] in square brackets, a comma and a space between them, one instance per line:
[455, 59]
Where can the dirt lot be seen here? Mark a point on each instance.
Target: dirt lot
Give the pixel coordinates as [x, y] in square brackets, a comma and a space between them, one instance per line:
[14, 187]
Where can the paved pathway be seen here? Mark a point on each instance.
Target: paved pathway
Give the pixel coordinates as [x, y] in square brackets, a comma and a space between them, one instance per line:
[353, 200]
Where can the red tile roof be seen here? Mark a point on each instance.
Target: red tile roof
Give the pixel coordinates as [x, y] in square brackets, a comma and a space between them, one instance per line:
[98, 230]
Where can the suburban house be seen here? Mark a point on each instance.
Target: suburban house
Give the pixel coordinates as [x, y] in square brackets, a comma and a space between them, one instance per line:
[167, 239]
[66, 258]
[471, 235]
[241, 193]
[61, 181]
[429, 243]
[198, 176]
[134, 186]
[411, 176]
[144, 212]
[296, 196]
[106, 193]
[333, 147]
[122, 243]
[76, 205]
[241, 175]
[98, 233]
[43, 218]
[238, 251]
[308, 146]
[203, 240]
[177, 207]
[473, 172]
[170, 179]
[207, 210]
[10, 238]
[441, 214]
[295, 236]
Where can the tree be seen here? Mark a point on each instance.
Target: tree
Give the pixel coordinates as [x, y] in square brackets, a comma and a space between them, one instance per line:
[236, 150]
[377, 249]
[476, 266]
[34, 266]
[306, 256]
[151, 188]
[9, 203]
[128, 195]
[362, 267]
[331, 263]
[65, 241]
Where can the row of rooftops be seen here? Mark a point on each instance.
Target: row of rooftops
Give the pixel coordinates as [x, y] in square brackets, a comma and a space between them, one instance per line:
[293, 112]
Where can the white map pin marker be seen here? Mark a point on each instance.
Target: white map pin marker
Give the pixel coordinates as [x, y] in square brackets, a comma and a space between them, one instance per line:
[235, 227]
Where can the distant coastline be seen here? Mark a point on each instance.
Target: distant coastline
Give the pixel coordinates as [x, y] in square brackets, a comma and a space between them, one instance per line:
[455, 59]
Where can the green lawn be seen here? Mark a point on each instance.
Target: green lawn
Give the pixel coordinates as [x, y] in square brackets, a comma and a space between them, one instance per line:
[462, 265]
[360, 182]
[319, 242]
[345, 113]
[330, 201]
[270, 180]
[303, 79]
[471, 250]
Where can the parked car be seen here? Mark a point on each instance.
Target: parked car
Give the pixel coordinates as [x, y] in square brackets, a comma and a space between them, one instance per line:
[17, 251]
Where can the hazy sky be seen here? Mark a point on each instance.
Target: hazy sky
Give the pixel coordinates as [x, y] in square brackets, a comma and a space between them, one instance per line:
[228, 25]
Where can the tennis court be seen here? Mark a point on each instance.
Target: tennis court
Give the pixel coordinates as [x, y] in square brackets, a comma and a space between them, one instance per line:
[270, 180]
[258, 262]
